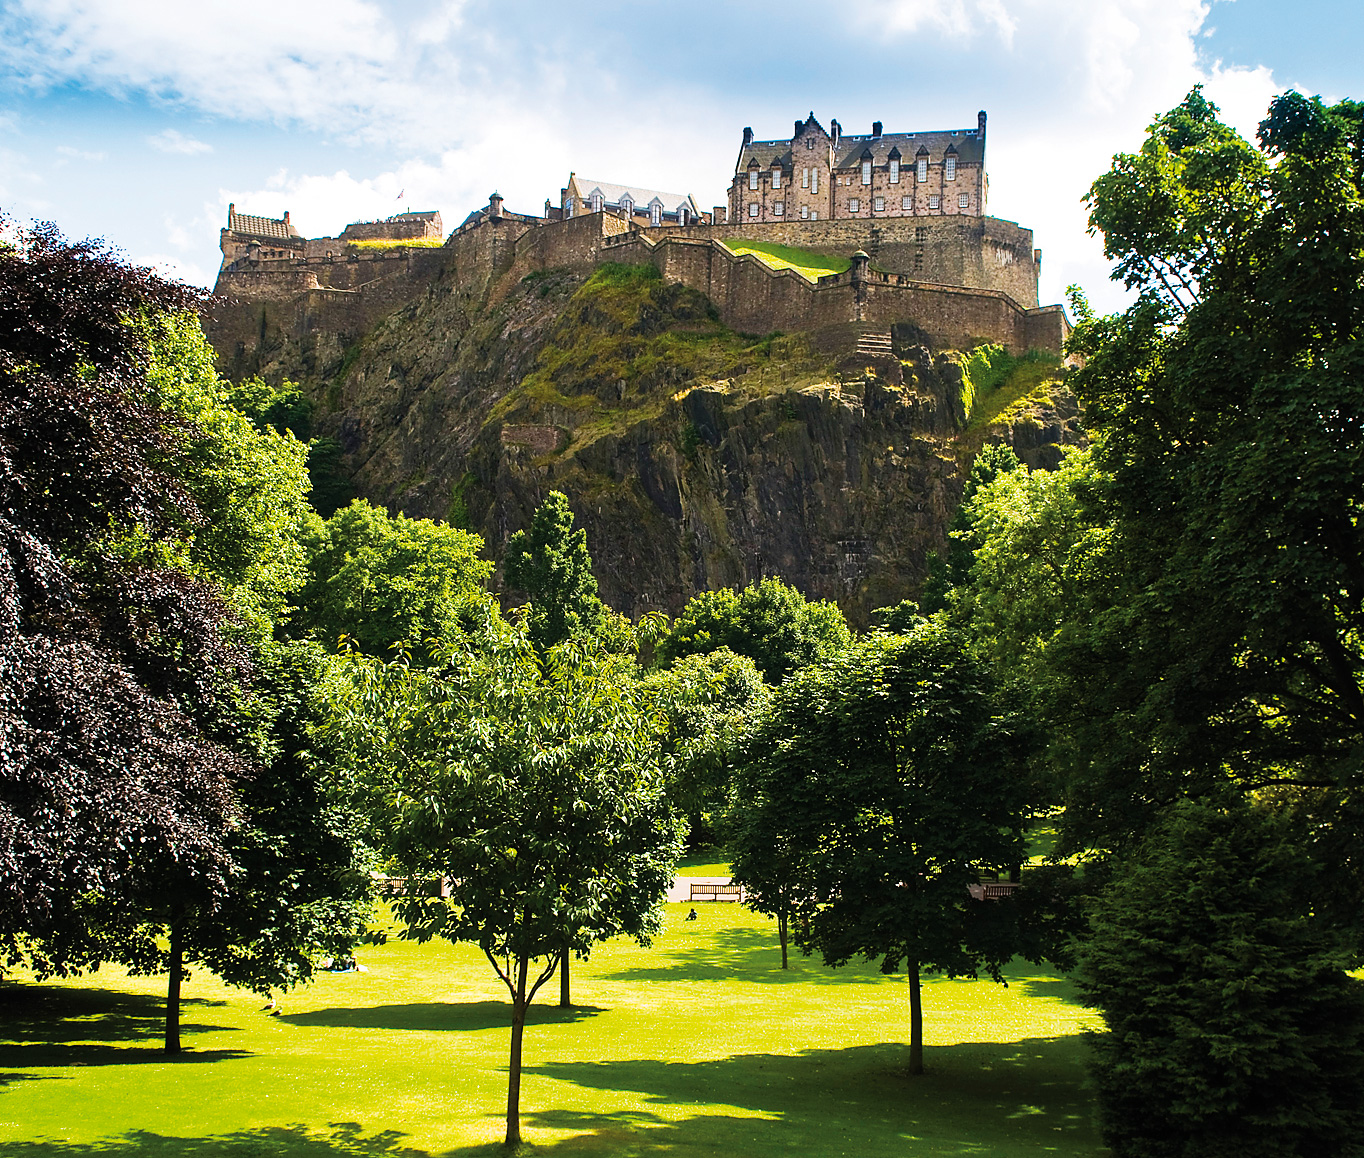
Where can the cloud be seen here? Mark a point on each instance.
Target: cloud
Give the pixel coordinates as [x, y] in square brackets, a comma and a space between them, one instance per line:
[957, 18]
[172, 141]
[79, 154]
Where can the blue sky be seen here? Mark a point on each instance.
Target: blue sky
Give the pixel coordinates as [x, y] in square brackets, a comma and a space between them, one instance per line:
[139, 120]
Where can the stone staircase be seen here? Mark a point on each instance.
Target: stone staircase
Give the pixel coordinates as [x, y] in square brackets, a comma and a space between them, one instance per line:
[875, 345]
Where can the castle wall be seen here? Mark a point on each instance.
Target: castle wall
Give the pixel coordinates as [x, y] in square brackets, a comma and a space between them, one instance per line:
[977, 252]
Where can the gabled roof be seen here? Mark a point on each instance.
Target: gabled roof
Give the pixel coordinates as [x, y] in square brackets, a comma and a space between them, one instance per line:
[641, 197]
[966, 143]
[274, 228]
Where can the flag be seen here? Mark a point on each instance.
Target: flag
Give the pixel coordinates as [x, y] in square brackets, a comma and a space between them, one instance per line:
[401, 195]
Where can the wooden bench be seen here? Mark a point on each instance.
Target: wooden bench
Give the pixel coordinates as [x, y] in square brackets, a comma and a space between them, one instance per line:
[701, 892]
[991, 890]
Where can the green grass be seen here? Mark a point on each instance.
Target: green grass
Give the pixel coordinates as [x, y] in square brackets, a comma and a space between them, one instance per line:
[809, 265]
[698, 1046]
[705, 862]
[389, 243]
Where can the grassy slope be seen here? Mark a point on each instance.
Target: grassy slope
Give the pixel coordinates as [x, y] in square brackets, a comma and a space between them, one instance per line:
[698, 1046]
[809, 265]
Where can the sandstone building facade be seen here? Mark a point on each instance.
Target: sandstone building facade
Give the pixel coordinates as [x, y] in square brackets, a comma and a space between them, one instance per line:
[823, 175]
[634, 203]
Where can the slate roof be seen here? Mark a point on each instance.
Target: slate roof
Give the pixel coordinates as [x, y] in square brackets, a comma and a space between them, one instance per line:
[969, 144]
[612, 194]
[273, 228]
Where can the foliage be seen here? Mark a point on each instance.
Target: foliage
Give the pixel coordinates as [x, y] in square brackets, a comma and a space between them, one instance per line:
[768, 621]
[529, 780]
[811, 266]
[881, 784]
[380, 580]
[983, 370]
[708, 703]
[1233, 1028]
[551, 564]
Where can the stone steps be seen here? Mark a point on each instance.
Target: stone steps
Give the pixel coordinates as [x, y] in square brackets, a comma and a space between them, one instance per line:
[876, 344]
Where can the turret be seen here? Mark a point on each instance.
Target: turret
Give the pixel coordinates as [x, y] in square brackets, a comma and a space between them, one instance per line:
[495, 206]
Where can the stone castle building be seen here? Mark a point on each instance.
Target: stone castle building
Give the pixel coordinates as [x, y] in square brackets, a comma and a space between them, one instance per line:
[823, 176]
[253, 240]
[631, 202]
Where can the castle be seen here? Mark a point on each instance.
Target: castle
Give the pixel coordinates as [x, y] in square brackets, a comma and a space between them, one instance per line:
[906, 212]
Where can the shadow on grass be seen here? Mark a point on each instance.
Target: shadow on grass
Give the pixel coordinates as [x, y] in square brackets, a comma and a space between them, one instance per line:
[438, 1016]
[977, 1098]
[340, 1140]
[740, 955]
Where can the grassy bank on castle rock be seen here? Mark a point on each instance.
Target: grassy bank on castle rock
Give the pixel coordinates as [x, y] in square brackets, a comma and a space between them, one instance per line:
[698, 1045]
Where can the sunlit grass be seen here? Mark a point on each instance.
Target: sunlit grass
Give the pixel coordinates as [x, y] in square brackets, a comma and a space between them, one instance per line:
[809, 265]
[389, 243]
[700, 1045]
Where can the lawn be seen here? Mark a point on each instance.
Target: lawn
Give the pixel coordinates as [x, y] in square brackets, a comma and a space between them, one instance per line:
[807, 264]
[700, 1045]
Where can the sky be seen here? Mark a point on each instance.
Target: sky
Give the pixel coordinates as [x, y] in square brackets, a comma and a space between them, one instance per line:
[140, 120]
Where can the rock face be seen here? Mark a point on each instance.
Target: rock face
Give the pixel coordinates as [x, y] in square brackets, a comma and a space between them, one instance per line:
[694, 457]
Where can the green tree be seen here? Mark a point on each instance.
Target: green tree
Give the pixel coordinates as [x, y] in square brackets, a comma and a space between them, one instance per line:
[530, 781]
[768, 621]
[1233, 1028]
[879, 787]
[551, 564]
[381, 580]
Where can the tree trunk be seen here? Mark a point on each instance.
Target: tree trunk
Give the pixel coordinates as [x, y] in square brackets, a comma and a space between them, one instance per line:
[514, 1069]
[177, 968]
[781, 935]
[916, 1021]
[565, 998]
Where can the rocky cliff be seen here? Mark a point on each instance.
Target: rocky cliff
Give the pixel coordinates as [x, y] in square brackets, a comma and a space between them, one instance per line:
[694, 456]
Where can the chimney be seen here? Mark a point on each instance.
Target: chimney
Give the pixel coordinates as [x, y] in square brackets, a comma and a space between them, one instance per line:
[980, 124]
[495, 206]
[719, 214]
[231, 211]
[876, 128]
[748, 137]
[286, 217]
[835, 131]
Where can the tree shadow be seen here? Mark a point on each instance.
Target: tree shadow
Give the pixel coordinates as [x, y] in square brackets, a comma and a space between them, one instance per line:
[50, 1026]
[1057, 988]
[976, 1098]
[340, 1140]
[746, 954]
[438, 1016]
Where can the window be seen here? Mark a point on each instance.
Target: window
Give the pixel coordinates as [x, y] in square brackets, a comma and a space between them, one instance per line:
[810, 143]
[854, 205]
[753, 209]
[866, 172]
[963, 200]
[568, 206]
[895, 170]
[753, 178]
[879, 204]
[949, 168]
[779, 208]
[814, 215]
[655, 213]
[805, 178]
[596, 202]
[814, 180]
[683, 217]
[776, 177]
[906, 203]
[627, 206]
[921, 234]
[933, 201]
[923, 169]
[804, 212]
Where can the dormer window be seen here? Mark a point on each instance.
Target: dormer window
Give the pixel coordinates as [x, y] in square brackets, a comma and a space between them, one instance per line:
[683, 217]
[776, 176]
[753, 177]
[627, 206]
[597, 202]
[949, 167]
[655, 213]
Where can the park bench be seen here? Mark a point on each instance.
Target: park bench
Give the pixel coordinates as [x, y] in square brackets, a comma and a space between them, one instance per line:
[705, 892]
[991, 890]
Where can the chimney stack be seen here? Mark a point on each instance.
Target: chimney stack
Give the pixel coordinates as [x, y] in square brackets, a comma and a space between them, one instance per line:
[835, 131]
[286, 217]
[876, 128]
[980, 124]
[748, 137]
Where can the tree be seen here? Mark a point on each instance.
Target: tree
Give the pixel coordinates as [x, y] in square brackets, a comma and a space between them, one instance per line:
[878, 788]
[551, 564]
[771, 623]
[381, 580]
[530, 781]
[1233, 1027]
[708, 703]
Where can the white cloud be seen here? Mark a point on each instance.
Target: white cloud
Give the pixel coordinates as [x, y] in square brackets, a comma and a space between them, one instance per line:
[79, 154]
[955, 17]
[173, 141]
[176, 268]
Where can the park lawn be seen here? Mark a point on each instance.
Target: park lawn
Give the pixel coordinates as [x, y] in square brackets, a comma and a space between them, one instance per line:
[704, 862]
[809, 265]
[700, 1045]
